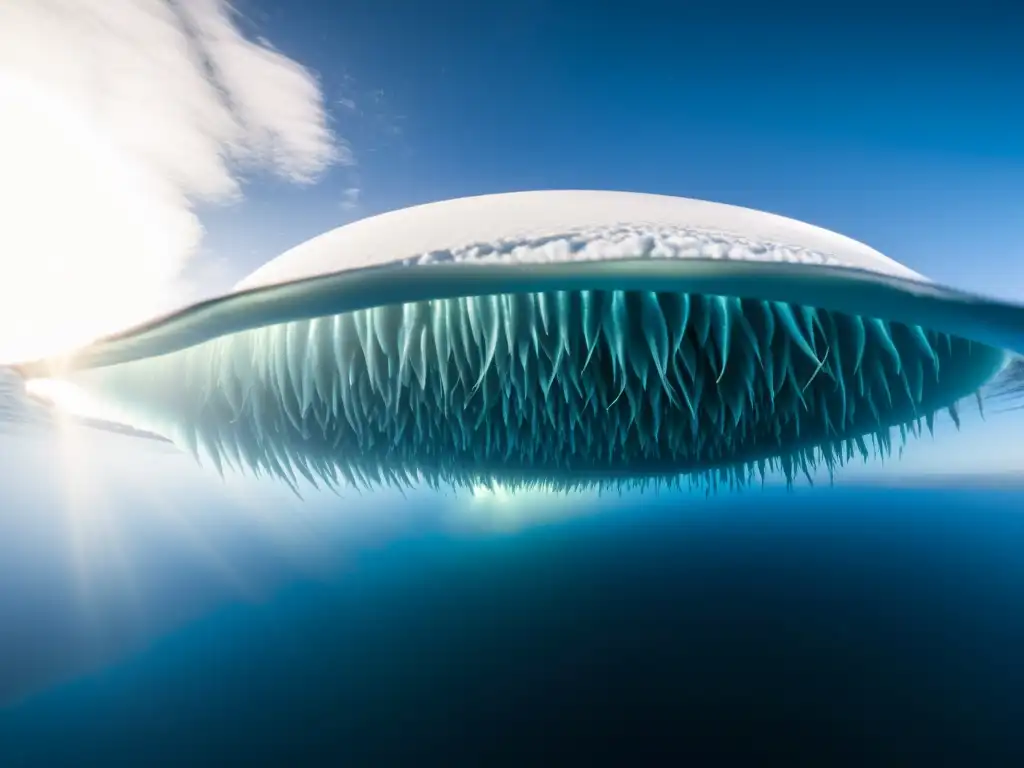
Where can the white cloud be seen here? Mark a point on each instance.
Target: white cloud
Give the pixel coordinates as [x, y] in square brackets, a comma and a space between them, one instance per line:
[117, 116]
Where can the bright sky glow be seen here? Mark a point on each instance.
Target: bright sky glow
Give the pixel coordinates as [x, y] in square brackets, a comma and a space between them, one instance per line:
[65, 396]
[88, 246]
[118, 115]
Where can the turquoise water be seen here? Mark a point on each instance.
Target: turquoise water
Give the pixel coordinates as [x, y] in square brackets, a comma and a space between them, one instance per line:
[841, 626]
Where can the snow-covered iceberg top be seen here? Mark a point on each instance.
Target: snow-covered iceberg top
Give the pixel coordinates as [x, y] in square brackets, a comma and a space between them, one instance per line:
[564, 226]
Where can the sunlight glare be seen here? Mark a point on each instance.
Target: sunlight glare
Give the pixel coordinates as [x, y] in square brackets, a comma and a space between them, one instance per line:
[496, 509]
[65, 396]
[83, 221]
[496, 494]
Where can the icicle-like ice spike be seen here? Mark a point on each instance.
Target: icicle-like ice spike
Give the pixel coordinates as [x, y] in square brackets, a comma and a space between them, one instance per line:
[566, 389]
[796, 334]
[721, 329]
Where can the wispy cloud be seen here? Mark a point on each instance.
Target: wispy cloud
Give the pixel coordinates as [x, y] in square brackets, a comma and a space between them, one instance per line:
[118, 116]
[350, 198]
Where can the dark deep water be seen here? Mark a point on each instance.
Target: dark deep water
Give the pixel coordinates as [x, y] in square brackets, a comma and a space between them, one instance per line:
[833, 626]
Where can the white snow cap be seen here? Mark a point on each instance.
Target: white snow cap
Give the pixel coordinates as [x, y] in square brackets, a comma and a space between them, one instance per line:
[557, 226]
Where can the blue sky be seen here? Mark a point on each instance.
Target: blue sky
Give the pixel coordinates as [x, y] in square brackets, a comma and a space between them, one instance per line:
[903, 134]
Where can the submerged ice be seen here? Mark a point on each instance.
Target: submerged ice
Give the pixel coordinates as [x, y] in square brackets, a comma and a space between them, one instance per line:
[557, 339]
[563, 389]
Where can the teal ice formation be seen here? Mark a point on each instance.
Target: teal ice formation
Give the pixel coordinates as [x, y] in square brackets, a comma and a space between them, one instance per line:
[556, 339]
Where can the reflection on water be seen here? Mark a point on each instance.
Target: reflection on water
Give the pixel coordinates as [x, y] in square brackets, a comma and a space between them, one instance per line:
[19, 410]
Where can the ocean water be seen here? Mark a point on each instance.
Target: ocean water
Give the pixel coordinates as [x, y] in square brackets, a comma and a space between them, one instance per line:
[872, 624]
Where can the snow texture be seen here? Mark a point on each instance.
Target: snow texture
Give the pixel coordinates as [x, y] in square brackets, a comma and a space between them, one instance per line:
[552, 226]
